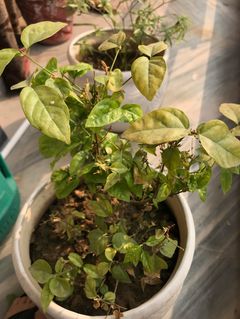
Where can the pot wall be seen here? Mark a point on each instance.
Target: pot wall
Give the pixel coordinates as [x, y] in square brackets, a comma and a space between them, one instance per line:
[159, 306]
[133, 96]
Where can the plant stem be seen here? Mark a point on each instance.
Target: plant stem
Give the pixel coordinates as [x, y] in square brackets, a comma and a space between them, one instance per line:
[126, 81]
[115, 58]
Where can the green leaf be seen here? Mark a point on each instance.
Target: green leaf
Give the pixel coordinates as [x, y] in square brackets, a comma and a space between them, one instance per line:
[37, 32]
[61, 86]
[41, 77]
[163, 192]
[46, 297]
[103, 268]
[115, 41]
[101, 208]
[76, 70]
[133, 254]
[120, 274]
[20, 85]
[131, 112]
[148, 74]
[6, 56]
[159, 126]
[46, 111]
[98, 241]
[59, 265]
[231, 111]
[46, 147]
[96, 271]
[119, 167]
[111, 180]
[76, 259]
[156, 239]
[153, 48]
[171, 158]
[41, 271]
[104, 112]
[110, 253]
[115, 80]
[225, 179]
[60, 287]
[122, 242]
[102, 79]
[77, 163]
[91, 271]
[63, 183]
[219, 143]
[152, 263]
[90, 288]
[168, 247]
[109, 297]
[120, 191]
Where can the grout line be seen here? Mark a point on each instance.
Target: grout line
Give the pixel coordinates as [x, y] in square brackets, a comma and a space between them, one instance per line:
[13, 141]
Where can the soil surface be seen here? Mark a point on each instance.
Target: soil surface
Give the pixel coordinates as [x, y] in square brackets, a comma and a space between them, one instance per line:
[54, 238]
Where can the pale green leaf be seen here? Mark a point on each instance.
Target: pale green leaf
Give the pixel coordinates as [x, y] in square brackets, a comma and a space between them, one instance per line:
[110, 253]
[115, 41]
[120, 274]
[110, 297]
[163, 192]
[90, 288]
[76, 259]
[226, 179]
[6, 56]
[37, 32]
[122, 242]
[220, 143]
[148, 75]
[168, 247]
[101, 208]
[60, 287]
[153, 48]
[76, 70]
[111, 180]
[46, 111]
[133, 254]
[104, 112]
[115, 80]
[131, 112]
[46, 297]
[152, 263]
[159, 126]
[41, 271]
[231, 111]
[77, 163]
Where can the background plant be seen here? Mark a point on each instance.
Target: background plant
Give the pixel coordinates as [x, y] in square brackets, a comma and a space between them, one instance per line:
[142, 18]
[73, 121]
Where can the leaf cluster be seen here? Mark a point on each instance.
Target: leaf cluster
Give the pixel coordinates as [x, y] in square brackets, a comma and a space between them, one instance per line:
[77, 121]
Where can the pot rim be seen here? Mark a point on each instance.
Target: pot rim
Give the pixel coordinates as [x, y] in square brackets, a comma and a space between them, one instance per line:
[170, 288]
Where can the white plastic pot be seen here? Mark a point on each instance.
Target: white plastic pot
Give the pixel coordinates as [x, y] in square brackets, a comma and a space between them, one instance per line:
[158, 307]
[132, 95]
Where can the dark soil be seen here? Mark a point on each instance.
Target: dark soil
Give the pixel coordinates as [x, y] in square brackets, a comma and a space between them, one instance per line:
[51, 241]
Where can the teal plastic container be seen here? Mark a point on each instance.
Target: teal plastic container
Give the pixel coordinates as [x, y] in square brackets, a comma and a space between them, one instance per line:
[9, 200]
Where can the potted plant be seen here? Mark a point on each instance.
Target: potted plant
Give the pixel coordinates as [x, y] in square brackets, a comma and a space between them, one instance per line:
[143, 25]
[119, 238]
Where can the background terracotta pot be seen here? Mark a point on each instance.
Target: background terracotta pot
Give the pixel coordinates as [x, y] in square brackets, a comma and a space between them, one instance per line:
[159, 306]
[35, 11]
